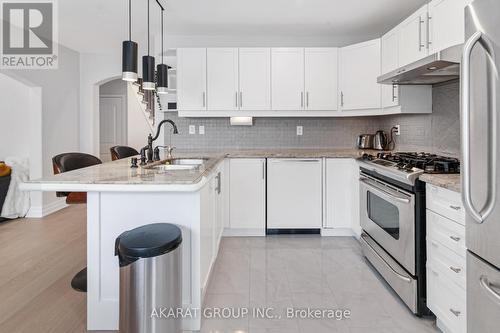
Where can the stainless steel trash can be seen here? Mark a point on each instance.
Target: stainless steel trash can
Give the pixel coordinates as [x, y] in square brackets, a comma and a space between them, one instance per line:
[150, 278]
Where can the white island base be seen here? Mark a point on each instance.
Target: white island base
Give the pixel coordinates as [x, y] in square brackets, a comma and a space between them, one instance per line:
[111, 213]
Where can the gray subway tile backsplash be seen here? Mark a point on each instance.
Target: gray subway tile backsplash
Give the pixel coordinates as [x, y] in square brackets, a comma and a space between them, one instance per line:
[437, 132]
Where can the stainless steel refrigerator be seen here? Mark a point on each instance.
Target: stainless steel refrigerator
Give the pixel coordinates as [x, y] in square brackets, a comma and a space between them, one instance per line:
[480, 107]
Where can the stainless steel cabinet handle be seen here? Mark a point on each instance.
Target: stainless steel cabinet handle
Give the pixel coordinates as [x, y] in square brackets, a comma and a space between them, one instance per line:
[236, 94]
[342, 98]
[455, 312]
[455, 269]
[241, 99]
[204, 99]
[483, 280]
[429, 17]
[420, 46]
[402, 277]
[307, 99]
[455, 207]
[264, 169]
[478, 216]
[394, 87]
[301, 99]
[456, 239]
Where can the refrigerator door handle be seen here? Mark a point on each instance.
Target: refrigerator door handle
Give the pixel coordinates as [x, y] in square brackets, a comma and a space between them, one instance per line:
[479, 217]
[487, 286]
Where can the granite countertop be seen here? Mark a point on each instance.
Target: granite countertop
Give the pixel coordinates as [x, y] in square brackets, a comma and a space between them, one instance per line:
[449, 181]
[120, 173]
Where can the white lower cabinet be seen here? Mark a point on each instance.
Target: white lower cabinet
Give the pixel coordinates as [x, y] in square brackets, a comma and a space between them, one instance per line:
[294, 193]
[247, 202]
[341, 196]
[446, 259]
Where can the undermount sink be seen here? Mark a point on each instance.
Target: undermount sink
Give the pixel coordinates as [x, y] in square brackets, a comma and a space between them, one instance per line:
[188, 161]
[178, 164]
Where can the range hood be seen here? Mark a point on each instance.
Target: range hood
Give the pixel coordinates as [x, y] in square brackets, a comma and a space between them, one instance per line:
[436, 68]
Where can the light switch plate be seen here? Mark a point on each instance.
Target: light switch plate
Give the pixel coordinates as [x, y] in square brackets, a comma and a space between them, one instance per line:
[201, 129]
[300, 130]
[192, 129]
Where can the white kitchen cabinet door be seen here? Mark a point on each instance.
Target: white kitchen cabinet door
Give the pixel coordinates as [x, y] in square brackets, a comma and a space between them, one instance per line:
[321, 78]
[390, 95]
[294, 193]
[446, 24]
[191, 79]
[359, 69]
[390, 51]
[340, 193]
[222, 79]
[413, 37]
[255, 78]
[287, 78]
[247, 191]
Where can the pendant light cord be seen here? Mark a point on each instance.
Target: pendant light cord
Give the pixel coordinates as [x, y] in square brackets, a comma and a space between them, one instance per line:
[130, 20]
[148, 27]
[162, 50]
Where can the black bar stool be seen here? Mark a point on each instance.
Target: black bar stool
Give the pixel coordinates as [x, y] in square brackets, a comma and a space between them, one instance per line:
[64, 163]
[119, 152]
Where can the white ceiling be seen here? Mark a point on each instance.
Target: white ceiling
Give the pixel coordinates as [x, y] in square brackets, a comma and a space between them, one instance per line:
[100, 26]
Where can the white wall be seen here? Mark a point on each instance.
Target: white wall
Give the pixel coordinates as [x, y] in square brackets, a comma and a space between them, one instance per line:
[95, 70]
[138, 128]
[59, 112]
[15, 116]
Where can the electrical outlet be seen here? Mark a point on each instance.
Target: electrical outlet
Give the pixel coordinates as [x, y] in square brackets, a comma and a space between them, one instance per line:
[201, 129]
[192, 129]
[300, 130]
[398, 130]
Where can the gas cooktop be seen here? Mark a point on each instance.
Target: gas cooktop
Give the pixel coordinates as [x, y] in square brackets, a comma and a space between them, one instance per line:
[410, 165]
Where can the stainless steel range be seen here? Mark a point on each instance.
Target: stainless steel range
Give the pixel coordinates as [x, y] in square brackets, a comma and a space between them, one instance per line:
[392, 212]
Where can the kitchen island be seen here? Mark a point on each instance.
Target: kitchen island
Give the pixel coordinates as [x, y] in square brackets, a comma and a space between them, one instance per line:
[121, 198]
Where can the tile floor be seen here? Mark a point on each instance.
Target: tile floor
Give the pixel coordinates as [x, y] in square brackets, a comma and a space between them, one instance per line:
[299, 272]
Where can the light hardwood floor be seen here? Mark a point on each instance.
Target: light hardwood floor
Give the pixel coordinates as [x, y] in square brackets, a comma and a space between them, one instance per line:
[38, 258]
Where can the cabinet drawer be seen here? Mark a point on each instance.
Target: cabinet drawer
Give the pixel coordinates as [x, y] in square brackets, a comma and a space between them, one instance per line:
[445, 202]
[451, 264]
[447, 301]
[446, 232]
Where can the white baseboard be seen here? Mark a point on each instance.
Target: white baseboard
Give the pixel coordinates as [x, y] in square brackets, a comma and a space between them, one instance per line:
[50, 208]
[338, 232]
[228, 232]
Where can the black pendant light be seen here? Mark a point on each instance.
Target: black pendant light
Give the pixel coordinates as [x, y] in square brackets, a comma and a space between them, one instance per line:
[148, 67]
[162, 69]
[129, 52]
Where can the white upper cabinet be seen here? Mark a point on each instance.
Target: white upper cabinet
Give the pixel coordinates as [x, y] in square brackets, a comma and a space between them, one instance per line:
[359, 68]
[390, 51]
[287, 78]
[446, 24]
[222, 79]
[413, 37]
[255, 78]
[321, 78]
[192, 79]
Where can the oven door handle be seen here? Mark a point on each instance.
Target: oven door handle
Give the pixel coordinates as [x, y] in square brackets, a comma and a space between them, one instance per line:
[399, 275]
[382, 191]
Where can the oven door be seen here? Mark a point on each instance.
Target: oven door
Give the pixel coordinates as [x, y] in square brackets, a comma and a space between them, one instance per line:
[388, 216]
